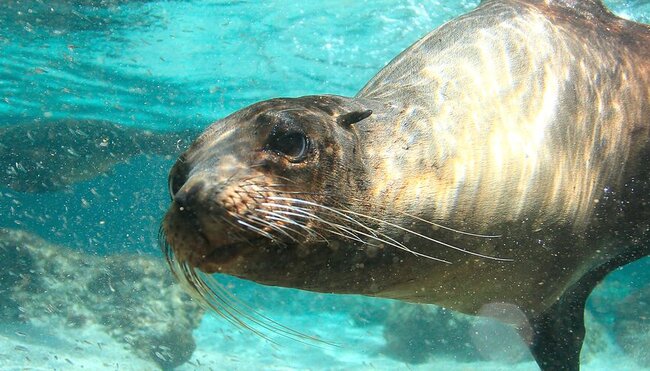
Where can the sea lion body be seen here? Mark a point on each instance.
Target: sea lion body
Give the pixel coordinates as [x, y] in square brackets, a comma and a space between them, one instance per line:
[532, 125]
[503, 158]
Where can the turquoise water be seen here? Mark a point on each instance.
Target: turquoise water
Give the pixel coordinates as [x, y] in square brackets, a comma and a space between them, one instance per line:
[176, 65]
[171, 65]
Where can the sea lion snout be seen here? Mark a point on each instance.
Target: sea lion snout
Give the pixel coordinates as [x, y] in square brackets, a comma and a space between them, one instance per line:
[187, 197]
[215, 211]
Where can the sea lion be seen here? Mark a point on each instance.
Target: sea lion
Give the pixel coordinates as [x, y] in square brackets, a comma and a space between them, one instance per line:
[49, 155]
[500, 161]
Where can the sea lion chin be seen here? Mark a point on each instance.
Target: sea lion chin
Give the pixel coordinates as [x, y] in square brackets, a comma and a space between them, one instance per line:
[503, 158]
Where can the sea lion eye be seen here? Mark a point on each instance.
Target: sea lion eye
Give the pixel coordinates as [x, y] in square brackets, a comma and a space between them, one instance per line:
[293, 145]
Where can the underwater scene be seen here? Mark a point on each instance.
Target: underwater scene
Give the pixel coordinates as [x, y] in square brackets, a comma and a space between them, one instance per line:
[98, 98]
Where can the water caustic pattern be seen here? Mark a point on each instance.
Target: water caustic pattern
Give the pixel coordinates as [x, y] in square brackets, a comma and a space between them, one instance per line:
[99, 97]
[492, 70]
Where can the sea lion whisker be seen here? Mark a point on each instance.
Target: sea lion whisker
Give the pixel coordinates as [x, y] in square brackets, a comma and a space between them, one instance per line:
[223, 307]
[391, 225]
[255, 229]
[304, 233]
[207, 297]
[218, 303]
[287, 224]
[280, 217]
[372, 233]
[271, 225]
[238, 228]
[250, 313]
[354, 238]
[210, 294]
[349, 232]
[309, 216]
[346, 232]
[238, 231]
[438, 225]
[167, 250]
[429, 238]
[396, 245]
[391, 242]
[265, 226]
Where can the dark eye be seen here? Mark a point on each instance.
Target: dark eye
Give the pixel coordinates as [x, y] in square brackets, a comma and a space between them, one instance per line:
[293, 145]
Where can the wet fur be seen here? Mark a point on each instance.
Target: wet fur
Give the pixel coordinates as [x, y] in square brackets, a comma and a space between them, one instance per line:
[503, 158]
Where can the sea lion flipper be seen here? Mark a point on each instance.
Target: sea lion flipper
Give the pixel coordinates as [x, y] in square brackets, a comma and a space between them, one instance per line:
[559, 332]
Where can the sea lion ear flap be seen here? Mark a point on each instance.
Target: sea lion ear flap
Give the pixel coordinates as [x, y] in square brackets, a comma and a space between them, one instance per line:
[348, 119]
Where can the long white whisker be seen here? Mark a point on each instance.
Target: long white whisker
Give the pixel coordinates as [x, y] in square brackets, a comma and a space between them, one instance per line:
[258, 230]
[353, 233]
[341, 211]
[449, 228]
[400, 246]
[274, 226]
[445, 227]
[302, 233]
[277, 216]
[316, 217]
[246, 310]
[212, 295]
[310, 216]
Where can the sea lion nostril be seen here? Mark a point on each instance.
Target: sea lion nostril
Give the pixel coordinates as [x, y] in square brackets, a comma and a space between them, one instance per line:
[188, 194]
[177, 177]
[174, 184]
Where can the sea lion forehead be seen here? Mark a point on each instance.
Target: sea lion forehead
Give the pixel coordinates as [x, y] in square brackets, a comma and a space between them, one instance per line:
[290, 113]
[328, 105]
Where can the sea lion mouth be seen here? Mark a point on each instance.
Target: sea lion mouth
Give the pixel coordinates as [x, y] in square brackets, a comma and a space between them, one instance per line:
[220, 258]
[202, 286]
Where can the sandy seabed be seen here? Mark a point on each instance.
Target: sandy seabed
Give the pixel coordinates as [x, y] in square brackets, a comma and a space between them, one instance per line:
[220, 346]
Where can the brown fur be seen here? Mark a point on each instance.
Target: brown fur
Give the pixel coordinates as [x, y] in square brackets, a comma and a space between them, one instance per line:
[527, 121]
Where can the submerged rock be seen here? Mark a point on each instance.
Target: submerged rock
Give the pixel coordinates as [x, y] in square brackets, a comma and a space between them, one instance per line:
[597, 339]
[45, 156]
[418, 333]
[133, 297]
[415, 333]
[632, 326]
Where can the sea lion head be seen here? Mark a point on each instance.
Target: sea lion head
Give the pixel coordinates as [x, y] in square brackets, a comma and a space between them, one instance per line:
[263, 194]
